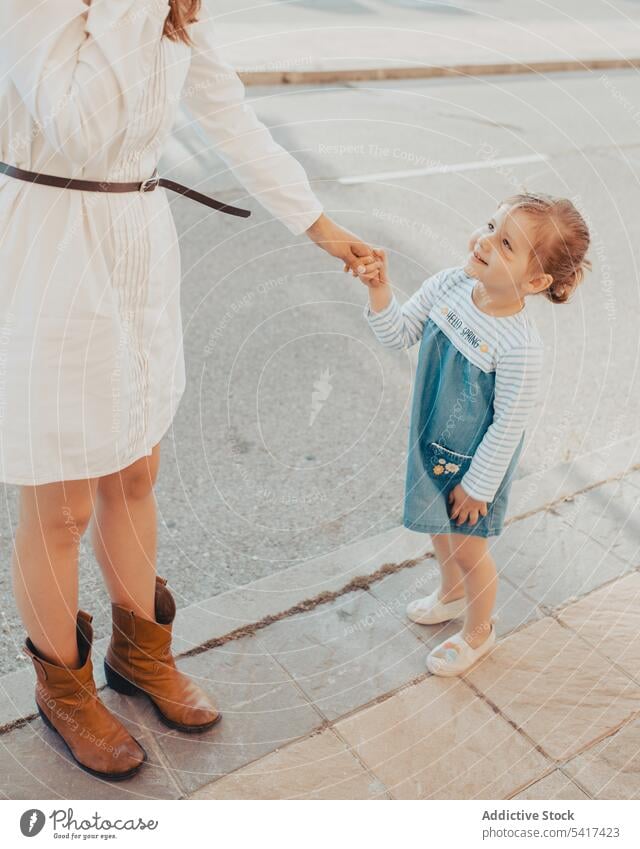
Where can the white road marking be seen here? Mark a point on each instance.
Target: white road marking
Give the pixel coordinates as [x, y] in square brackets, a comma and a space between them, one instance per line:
[443, 169]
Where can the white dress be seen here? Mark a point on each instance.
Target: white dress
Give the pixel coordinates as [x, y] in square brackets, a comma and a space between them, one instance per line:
[91, 355]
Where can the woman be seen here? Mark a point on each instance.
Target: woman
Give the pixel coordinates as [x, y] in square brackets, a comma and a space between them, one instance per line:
[93, 367]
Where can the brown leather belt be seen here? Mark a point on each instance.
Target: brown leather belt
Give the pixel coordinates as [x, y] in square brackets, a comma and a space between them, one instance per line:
[147, 185]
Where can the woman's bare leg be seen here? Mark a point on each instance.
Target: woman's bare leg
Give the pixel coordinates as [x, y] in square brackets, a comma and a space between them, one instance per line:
[52, 519]
[452, 577]
[124, 534]
[480, 582]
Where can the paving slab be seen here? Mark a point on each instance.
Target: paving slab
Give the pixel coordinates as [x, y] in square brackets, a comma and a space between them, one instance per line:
[609, 514]
[609, 619]
[633, 477]
[551, 562]
[17, 697]
[552, 483]
[217, 616]
[437, 740]
[221, 614]
[281, 685]
[557, 688]
[320, 767]
[513, 608]
[36, 764]
[262, 710]
[346, 653]
[553, 786]
[611, 769]
[397, 590]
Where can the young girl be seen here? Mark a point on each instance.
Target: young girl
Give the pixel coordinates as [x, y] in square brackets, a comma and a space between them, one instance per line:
[476, 381]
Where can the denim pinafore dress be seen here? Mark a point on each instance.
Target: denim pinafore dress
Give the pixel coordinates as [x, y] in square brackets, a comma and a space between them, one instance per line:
[451, 410]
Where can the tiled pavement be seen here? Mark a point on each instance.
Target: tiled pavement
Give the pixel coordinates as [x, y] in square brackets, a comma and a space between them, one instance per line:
[335, 702]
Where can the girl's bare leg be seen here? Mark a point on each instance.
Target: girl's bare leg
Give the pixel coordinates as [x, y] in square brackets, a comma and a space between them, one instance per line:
[124, 534]
[452, 577]
[52, 519]
[480, 582]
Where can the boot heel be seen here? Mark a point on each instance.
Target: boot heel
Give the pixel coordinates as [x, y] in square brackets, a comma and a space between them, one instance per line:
[117, 682]
[45, 719]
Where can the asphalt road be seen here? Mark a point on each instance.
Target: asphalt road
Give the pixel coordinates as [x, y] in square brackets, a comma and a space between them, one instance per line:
[291, 436]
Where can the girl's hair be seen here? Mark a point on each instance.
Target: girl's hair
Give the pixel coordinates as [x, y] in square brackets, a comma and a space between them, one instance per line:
[182, 12]
[560, 244]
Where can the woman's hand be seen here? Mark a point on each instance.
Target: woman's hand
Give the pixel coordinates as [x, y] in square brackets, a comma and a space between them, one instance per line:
[340, 243]
[464, 507]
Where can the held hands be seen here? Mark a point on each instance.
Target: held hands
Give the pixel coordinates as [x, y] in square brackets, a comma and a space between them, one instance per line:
[372, 271]
[374, 276]
[338, 242]
[464, 507]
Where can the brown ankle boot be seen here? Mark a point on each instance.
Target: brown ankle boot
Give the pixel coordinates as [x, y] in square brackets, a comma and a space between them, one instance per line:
[69, 704]
[139, 659]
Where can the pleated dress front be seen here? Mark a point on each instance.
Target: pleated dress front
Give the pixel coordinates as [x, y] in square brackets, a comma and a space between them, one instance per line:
[91, 351]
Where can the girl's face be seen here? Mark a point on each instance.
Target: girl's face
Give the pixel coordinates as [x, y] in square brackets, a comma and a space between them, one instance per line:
[500, 253]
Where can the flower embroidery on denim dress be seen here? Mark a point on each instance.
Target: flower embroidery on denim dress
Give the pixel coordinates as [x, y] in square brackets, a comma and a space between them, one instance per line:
[444, 467]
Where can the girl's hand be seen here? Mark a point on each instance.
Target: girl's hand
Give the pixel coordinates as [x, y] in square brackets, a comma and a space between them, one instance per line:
[372, 273]
[464, 507]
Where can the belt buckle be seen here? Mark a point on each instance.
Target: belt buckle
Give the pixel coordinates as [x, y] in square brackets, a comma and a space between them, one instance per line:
[150, 183]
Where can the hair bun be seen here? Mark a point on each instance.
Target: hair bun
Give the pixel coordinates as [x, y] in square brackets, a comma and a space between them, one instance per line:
[561, 243]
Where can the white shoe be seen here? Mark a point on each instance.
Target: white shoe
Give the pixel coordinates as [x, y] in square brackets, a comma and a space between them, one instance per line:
[431, 611]
[455, 656]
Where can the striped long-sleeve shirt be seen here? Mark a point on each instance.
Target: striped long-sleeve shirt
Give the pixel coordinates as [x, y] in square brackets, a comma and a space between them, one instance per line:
[510, 346]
